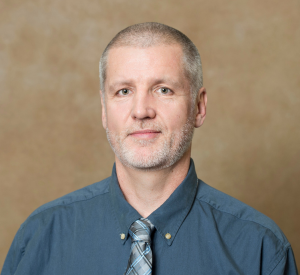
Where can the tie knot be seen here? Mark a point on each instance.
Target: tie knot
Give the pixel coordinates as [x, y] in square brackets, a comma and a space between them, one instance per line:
[141, 230]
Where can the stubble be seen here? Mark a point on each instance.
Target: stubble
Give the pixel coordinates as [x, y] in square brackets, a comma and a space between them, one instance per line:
[162, 152]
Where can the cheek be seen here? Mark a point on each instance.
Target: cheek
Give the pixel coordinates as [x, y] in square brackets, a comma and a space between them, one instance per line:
[116, 118]
[174, 115]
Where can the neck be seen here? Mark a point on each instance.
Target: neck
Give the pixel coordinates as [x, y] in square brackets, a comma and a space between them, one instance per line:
[148, 190]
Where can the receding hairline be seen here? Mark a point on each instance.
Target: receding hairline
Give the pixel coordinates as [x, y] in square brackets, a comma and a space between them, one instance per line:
[146, 40]
[142, 40]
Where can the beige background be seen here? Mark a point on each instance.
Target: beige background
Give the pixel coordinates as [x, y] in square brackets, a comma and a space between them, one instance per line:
[51, 137]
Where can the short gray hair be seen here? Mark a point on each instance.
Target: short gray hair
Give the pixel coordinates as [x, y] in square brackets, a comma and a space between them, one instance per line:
[149, 34]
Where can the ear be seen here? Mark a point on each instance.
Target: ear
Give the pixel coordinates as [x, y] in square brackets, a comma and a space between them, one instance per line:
[104, 122]
[201, 102]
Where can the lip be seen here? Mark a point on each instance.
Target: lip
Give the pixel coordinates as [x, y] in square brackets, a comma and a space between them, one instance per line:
[145, 134]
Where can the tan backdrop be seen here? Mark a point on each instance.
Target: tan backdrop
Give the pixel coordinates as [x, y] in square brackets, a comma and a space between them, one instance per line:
[51, 137]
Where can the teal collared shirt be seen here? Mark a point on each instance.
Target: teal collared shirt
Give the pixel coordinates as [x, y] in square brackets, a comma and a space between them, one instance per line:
[198, 230]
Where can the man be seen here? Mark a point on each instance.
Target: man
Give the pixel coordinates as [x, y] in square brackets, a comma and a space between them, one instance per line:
[152, 216]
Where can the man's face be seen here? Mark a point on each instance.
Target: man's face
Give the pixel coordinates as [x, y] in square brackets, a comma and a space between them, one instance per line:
[148, 112]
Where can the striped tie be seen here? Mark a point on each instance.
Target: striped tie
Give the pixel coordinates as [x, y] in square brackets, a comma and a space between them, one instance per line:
[140, 260]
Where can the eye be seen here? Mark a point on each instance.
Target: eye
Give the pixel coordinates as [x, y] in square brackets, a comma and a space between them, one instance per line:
[124, 92]
[164, 90]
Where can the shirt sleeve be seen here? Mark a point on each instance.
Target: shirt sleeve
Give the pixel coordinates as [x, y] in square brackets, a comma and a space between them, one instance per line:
[13, 257]
[287, 265]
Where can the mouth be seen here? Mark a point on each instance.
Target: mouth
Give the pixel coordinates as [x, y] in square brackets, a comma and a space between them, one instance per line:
[145, 134]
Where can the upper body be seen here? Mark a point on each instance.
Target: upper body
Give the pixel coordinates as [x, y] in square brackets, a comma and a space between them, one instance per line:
[211, 233]
[152, 100]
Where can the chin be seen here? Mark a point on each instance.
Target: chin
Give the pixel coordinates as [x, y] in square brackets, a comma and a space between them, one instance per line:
[149, 161]
[144, 165]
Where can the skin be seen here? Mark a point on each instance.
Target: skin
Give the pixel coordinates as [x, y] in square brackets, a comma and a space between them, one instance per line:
[147, 104]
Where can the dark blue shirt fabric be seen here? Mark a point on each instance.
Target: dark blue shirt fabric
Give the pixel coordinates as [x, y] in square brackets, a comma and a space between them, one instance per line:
[211, 233]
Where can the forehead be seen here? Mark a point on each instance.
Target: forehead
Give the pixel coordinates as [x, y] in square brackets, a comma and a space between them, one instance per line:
[145, 63]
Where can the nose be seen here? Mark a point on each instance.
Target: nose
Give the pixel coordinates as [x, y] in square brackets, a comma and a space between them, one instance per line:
[143, 106]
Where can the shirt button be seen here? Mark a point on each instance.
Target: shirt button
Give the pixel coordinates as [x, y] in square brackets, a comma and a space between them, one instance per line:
[122, 236]
[168, 236]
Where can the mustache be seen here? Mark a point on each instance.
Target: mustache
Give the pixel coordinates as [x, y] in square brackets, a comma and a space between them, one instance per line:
[153, 126]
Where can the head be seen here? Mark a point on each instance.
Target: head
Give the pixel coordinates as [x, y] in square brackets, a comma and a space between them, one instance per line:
[152, 95]
[151, 34]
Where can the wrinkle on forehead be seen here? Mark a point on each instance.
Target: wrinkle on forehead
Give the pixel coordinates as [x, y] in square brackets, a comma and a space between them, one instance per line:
[126, 68]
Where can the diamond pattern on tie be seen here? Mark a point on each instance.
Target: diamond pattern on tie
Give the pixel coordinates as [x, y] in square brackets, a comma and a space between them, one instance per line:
[140, 260]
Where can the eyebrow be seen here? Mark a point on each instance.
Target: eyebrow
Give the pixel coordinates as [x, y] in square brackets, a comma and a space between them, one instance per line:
[167, 81]
[119, 83]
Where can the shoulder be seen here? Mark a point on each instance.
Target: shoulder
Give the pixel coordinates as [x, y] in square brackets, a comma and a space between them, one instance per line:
[57, 222]
[74, 199]
[242, 233]
[233, 210]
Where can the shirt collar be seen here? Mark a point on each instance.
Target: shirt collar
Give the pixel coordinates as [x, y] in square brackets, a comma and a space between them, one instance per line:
[167, 218]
